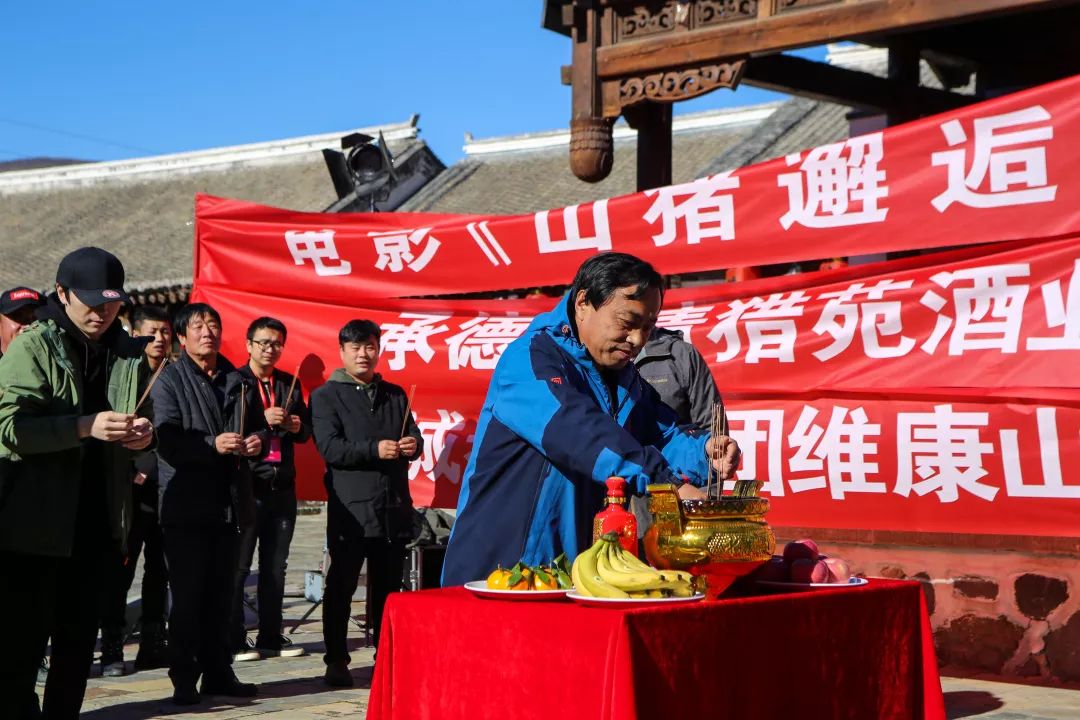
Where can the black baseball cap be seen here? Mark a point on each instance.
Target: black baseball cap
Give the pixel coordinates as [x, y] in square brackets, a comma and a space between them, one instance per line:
[96, 276]
[19, 297]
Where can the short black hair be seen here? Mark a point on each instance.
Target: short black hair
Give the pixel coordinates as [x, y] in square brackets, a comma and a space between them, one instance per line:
[601, 275]
[194, 310]
[267, 323]
[357, 331]
[143, 313]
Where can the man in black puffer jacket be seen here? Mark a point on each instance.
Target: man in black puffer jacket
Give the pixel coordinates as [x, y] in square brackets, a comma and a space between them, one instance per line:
[357, 419]
[206, 497]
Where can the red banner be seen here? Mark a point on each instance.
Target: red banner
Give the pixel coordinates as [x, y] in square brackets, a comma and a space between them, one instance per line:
[934, 393]
[1004, 169]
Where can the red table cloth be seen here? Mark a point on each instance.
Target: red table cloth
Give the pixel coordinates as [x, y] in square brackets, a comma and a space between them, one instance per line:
[863, 653]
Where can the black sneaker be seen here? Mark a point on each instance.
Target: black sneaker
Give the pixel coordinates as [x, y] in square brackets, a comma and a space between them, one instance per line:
[338, 675]
[285, 649]
[247, 652]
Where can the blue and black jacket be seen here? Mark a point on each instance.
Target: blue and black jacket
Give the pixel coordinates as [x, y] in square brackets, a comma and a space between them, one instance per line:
[550, 433]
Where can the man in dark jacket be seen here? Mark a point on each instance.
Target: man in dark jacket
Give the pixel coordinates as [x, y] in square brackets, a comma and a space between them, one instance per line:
[148, 321]
[205, 411]
[680, 375]
[69, 389]
[681, 378]
[367, 440]
[283, 421]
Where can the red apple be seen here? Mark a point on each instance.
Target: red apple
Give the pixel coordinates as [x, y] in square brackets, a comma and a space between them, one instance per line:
[800, 549]
[839, 571]
[805, 570]
[775, 570]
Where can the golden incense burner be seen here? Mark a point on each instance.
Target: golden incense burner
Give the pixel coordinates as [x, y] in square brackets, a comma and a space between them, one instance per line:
[720, 538]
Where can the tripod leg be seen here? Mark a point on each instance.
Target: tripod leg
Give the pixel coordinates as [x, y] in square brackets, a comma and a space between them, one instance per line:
[305, 616]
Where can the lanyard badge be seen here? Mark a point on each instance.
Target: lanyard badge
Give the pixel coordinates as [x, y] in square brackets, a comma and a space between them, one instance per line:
[273, 452]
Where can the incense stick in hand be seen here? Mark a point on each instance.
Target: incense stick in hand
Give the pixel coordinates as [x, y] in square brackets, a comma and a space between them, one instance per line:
[408, 410]
[153, 379]
[288, 396]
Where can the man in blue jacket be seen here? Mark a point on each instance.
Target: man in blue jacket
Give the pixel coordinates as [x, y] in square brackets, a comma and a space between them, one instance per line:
[566, 409]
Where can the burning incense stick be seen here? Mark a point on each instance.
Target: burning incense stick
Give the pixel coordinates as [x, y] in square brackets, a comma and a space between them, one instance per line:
[408, 410]
[288, 397]
[153, 379]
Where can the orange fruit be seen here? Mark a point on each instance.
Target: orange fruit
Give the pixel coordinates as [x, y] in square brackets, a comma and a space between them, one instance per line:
[550, 583]
[498, 578]
[525, 583]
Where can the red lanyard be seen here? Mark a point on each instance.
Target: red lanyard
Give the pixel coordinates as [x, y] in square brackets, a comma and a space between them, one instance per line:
[266, 392]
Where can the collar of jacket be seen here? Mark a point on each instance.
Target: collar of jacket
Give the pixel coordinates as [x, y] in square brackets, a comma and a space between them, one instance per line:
[556, 324]
[342, 376]
[249, 374]
[221, 367]
[660, 344]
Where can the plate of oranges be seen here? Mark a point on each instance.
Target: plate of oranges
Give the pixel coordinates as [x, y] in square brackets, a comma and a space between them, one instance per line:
[525, 582]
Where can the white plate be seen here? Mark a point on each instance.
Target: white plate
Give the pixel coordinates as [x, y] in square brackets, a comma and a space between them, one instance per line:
[639, 602]
[479, 587]
[853, 582]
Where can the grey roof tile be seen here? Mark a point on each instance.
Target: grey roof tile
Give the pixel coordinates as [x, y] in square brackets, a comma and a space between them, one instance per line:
[147, 223]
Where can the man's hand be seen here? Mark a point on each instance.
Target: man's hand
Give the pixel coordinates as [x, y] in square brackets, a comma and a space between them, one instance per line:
[108, 426]
[691, 492]
[723, 452]
[228, 443]
[389, 450]
[251, 445]
[407, 446]
[292, 424]
[275, 416]
[140, 434]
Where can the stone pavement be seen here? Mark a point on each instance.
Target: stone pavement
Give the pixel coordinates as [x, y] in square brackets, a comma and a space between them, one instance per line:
[292, 688]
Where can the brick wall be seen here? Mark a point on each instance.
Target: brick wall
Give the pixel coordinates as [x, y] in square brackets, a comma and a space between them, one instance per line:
[1012, 610]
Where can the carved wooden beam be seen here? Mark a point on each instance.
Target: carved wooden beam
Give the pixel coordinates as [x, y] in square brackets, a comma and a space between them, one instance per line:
[782, 25]
[818, 81]
[592, 147]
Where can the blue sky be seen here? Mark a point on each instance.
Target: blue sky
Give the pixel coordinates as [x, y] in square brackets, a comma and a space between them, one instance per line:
[120, 79]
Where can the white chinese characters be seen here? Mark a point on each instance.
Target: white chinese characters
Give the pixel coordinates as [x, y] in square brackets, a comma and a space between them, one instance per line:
[399, 249]
[1014, 161]
[482, 340]
[317, 246]
[836, 185]
[574, 238]
[702, 206]
[440, 441]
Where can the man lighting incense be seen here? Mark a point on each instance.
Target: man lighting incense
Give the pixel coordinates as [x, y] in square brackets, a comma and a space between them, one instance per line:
[566, 409]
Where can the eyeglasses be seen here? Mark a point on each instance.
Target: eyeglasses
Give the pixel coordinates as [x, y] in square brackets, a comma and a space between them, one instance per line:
[268, 344]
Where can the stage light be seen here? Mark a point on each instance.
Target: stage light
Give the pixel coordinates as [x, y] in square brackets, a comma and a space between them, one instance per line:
[367, 171]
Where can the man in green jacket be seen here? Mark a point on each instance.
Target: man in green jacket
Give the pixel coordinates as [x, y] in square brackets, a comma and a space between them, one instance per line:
[69, 386]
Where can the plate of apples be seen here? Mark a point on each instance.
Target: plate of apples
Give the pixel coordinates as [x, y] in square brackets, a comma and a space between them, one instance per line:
[803, 567]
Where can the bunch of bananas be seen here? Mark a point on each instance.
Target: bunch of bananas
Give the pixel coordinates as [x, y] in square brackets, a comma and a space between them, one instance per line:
[605, 570]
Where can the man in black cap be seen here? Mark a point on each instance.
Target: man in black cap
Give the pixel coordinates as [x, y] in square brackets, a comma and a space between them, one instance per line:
[69, 391]
[17, 307]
